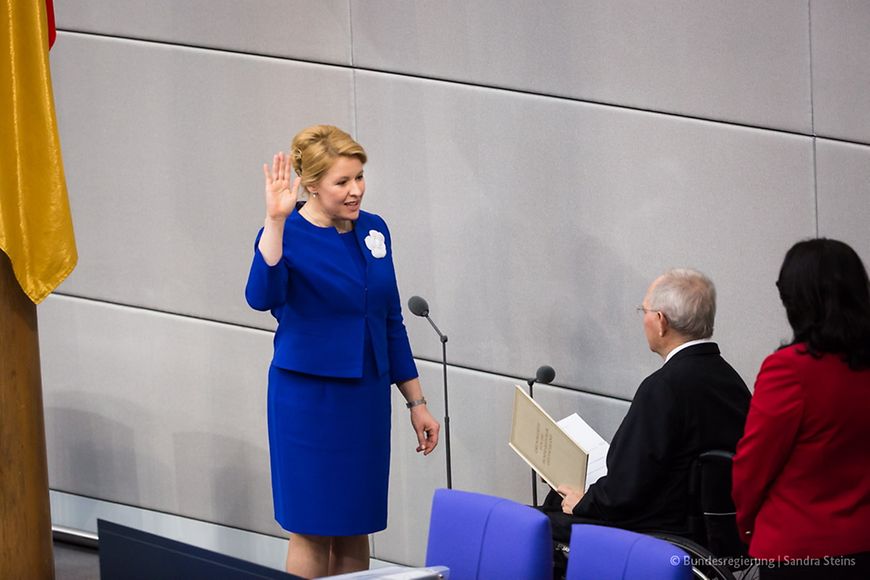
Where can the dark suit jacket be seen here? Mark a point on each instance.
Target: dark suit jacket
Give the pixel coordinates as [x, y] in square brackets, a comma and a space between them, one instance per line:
[802, 470]
[323, 305]
[694, 403]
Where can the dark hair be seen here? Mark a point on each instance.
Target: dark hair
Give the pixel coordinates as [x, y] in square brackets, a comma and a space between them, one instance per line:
[826, 293]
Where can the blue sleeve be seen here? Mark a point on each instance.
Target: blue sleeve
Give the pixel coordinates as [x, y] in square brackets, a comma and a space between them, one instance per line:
[267, 285]
[402, 367]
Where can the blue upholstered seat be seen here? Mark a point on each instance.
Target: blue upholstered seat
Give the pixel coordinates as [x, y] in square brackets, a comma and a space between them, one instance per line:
[604, 553]
[483, 537]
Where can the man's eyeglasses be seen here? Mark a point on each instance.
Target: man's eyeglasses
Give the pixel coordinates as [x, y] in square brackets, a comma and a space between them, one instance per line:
[644, 310]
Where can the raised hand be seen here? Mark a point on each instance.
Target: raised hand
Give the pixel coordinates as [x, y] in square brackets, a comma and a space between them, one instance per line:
[280, 196]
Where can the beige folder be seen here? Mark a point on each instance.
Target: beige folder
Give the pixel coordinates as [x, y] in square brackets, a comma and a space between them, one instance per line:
[545, 446]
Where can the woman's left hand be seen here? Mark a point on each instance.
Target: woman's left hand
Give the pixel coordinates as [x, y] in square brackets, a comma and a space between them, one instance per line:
[426, 427]
[570, 498]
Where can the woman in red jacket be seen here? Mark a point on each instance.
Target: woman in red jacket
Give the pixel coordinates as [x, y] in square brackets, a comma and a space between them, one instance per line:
[802, 469]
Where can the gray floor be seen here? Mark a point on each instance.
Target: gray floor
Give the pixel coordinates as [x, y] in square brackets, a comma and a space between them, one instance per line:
[73, 562]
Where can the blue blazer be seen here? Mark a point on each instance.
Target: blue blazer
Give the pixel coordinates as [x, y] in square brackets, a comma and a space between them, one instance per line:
[323, 305]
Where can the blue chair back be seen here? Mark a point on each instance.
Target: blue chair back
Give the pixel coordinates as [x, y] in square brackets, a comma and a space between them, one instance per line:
[480, 537]
[603, 553]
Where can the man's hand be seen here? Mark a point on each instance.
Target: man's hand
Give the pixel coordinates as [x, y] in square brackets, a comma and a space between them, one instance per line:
[570, 498]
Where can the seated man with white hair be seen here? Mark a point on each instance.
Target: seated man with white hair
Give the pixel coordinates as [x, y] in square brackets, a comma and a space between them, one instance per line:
[695, 402]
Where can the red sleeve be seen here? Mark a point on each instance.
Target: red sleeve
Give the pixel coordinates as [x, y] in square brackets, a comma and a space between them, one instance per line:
[52, 32]
[775, 414]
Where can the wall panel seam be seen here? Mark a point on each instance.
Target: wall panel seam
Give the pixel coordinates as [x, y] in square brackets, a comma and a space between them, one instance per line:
[816, 185]
[350, 30]
[160, 511]
[520, 380]
[812, 85]
[354, 108]
[841, 141]
[355, 129]
[160, 311]
[813, 116]
[213, 49]
[258, 329]
[446, 81]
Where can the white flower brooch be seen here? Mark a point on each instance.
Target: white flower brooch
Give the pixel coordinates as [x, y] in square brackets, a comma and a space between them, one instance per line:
[375, 242]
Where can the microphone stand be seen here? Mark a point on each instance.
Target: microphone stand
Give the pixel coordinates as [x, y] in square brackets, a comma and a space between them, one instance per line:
[531, 383]
[419, 307]
[443, 338]
[545, 375]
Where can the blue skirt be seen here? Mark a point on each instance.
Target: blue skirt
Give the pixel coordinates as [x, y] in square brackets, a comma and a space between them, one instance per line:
[329, 444]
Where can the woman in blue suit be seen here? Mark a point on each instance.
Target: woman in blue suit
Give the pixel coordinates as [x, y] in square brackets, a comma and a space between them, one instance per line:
[325, 270]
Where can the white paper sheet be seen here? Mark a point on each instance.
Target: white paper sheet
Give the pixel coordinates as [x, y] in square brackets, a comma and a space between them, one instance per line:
[587, 438]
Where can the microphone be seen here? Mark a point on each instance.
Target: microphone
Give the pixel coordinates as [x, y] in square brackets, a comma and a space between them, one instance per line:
[419, 307]
[544, 375]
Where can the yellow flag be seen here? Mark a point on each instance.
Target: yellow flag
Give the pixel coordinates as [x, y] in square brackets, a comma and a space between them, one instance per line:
[35, 225]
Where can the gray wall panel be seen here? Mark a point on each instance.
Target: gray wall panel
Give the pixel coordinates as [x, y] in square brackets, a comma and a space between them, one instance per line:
[157, 411]
[163, 148]
[318, 31]
[844, 194]
[841, 69]
[413, 478]
[603, 414]
[534, 225]
[481, 405]
[480, 417]
[75, 512]
[168, 413]
[740, 61]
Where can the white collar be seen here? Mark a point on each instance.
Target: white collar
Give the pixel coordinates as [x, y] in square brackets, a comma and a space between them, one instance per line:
[687, 345]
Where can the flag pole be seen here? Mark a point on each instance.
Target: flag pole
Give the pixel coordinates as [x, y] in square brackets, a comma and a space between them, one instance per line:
[25, 516]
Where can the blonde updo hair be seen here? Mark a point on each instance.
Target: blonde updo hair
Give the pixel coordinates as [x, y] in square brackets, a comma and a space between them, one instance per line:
[315, 149]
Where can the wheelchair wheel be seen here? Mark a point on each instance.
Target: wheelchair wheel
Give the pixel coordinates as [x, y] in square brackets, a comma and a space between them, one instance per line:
[750, 573]
[704, 562]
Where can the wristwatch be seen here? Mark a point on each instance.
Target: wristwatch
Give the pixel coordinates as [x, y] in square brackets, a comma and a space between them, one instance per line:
[415, 402]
